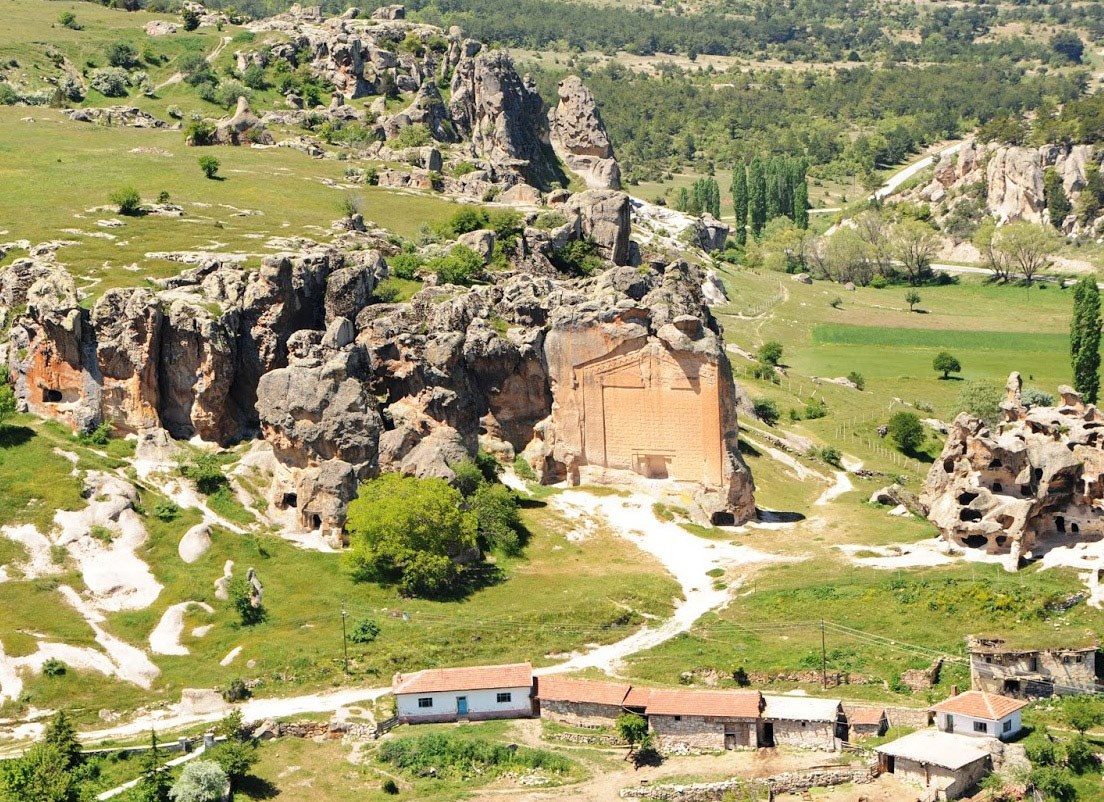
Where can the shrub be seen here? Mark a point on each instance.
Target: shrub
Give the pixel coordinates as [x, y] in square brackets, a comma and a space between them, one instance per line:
[815, 408]
[365, 631]
[52, 667]
[386, 292]
[1036, 398]
[235, 757]
[100, 436]
[69, 20]
[857, 379]
[462, 266]
[765, 372]
[1080, 755]
[906, 430]
[579, 258]
[163, 196]
[547, 220]
[229, 91]
[879, 282]
[466, 220]
[166, 511]
[8, 96]
[109, 81]
[832, 456]
[200, 781]
[199, 133]
[101, 533]
[765, 410]
[241, 600]
[1053, 783]
[463, 168]
[982, 400]
[253, 77]
[127, 200]
[204, 470]
[406, 265]
[236, 691]
[209, 165]
[523, 469]
[456, 755]
[390, 787]
[413, 136]
[496, 515]
[632, 728]
[120, 54]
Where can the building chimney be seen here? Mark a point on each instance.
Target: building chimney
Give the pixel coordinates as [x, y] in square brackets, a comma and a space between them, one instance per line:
[954, 690]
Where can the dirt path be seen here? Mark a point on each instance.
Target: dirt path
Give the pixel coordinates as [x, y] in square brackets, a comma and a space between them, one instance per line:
[177, 77]
[688, 558]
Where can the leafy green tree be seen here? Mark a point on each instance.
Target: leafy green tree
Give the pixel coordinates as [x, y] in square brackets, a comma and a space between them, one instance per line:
[740, 201]
[241, 600]
[1027, 247]
[1080, 756]
[1054, 194]
[632, 728]
[209, 165]
[121, 54]
[462, 266]
[946, 364]
[496, 515]
[7, 402]
[906, 430]
[1053, 783]
[69, 20]
[1085, 338]
[1068, 45]
[982, 400]
[42, 774]
[235, 757]
[912, 298]
[1082, 713]
[1091, 201]
[155, 782]
[364, 631]
[408, 530]
[770, 352]
[914, 246]
[200, 781]
[857, 379]
[801, 203]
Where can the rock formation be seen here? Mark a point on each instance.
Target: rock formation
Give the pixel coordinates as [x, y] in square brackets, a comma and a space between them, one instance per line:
[1034, 479]
[1008, 180]
[579, 138]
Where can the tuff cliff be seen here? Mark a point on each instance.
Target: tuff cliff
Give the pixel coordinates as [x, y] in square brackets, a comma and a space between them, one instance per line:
[588, 379]
[1032, 480]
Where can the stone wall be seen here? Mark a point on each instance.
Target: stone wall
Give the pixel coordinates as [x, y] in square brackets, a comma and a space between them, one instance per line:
[816, 735]
[579, 714]
[687, 734]
[917, 718]
[787, 783]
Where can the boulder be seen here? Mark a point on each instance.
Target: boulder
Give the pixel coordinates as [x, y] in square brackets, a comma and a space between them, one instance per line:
[603, 216]
[243, 128]
[195, 543]
[710, 234]
[1014, 181]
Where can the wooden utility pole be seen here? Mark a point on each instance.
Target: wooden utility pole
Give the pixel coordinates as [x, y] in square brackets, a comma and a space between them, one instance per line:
[344, 640]
[823, 658]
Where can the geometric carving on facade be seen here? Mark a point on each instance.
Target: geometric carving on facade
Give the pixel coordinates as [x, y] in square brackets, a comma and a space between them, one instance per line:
[653, 413]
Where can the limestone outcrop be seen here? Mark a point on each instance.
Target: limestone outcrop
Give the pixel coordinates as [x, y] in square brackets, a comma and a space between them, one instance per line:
[579, 137]
[1008, 181]
[1030, 481]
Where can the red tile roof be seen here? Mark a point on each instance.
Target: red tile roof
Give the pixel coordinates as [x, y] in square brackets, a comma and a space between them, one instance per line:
[721, 704]
[563, 689]
[474, 678]
[638, 697]
[866, 715]
[978, 704]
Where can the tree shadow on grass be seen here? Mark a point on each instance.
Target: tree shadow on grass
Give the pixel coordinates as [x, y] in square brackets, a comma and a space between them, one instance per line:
[778, 516]
[255, 787]
[530, 503]
[14, 435]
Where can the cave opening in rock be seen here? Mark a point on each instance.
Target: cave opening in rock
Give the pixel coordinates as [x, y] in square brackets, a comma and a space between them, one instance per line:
[723, 518]
[975, 541]
[997, 487]
[51, 396]
[1038, 474]
[995, 464]
[316, 521]
[1075, 529]
[948, 465]
[965, 497]
[970, 515]
[289, 500]
[1060, 523]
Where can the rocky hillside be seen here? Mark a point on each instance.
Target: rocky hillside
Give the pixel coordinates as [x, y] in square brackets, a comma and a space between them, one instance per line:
[1030, 481]
[1007, 182]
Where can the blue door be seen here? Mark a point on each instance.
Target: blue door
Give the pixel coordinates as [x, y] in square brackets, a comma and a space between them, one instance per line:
[461, 705]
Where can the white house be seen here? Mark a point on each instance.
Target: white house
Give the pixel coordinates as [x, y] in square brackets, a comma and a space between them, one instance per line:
[473, 694]
[985, 715]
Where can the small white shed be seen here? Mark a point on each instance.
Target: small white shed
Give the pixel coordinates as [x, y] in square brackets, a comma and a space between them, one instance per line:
[475, 693]
[980, 714]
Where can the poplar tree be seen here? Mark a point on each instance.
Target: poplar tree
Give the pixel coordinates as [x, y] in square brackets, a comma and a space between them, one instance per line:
[740, 202]
[801, 204]
[1085, 339]
[757, 197]
[1055, 195]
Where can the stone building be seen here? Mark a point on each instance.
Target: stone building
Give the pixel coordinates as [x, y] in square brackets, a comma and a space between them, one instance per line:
[947, 765]
[581, 703]
[1031, 673]
[867, 722]
[476, 693]
[690, 722]
[980, 714]
[803, 721]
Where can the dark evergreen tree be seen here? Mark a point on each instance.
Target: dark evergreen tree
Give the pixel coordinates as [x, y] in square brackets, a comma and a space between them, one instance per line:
[61, 734]
[155, 782]
[1055, 195]
[1085, 339]
[740, 201]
